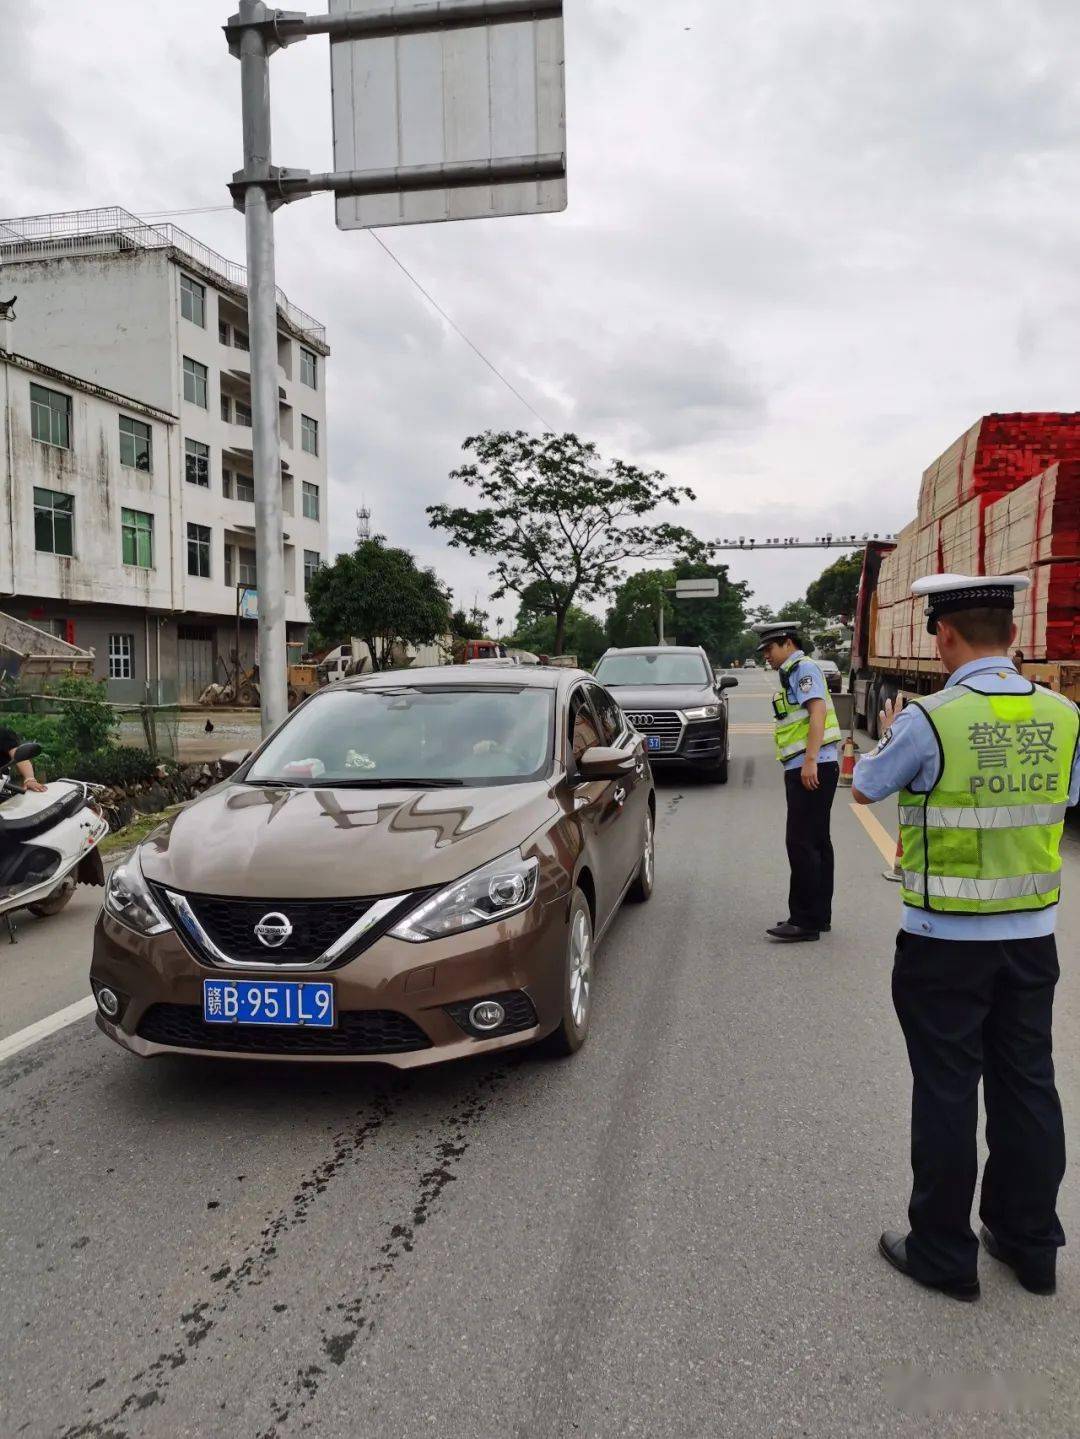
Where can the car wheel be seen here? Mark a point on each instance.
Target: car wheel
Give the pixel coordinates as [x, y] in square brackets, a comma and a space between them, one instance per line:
[642, 887]
[718, 773]
[577, 981]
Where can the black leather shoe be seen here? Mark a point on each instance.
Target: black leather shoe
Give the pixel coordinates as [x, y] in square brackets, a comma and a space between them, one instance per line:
[822, 928]
[788, 933]
[893, 1247]
[1037, 1278]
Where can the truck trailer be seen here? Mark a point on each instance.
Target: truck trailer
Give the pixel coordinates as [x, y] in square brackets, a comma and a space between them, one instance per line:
[1003, 499]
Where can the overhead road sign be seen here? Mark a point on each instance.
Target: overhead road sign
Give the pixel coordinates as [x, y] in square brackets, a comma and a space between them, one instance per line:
[463, 123]
[704, 589]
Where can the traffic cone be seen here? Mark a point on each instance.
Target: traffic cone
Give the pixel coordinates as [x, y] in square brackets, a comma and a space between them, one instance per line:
[847, 762]
[896, 874]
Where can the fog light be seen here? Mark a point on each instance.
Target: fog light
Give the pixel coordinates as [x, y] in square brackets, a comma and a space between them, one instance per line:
[108, 1002]
[489, 1014]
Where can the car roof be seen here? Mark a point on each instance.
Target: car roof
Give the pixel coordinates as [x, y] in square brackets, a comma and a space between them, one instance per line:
[537, 677]
[653, 650]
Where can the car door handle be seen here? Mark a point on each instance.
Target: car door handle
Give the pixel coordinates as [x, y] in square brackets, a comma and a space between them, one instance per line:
[619, 796]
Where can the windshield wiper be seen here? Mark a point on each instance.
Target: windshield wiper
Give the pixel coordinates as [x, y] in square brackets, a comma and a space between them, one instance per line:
[272, 783]
[407, 783]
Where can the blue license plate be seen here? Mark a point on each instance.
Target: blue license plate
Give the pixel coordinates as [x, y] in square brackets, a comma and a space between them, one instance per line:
[653, 742]
[268, 1001]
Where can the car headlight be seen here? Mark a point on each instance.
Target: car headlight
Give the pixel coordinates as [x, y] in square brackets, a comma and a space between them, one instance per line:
[703, 712]
[499, 889]
[128, 899]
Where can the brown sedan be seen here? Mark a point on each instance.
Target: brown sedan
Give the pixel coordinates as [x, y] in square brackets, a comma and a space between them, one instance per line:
[416, 866]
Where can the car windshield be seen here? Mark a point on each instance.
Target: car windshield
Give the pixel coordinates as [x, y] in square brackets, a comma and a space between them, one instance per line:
[437, 736]
[654, 669]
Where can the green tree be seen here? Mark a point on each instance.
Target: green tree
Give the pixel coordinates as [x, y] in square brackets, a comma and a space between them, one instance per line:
[378, 594]
[632, 618]
[584, 635]
[465, 627]
[716, 624]
[836, 589]
[557, 520]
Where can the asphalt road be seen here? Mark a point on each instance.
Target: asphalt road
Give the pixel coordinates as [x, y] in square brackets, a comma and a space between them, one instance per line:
[671, 1234]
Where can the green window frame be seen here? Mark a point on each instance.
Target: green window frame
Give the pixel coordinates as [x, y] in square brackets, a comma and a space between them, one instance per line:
[136, 444]
[54, 522]
[137, 538]
[193, 301]
[50, 416]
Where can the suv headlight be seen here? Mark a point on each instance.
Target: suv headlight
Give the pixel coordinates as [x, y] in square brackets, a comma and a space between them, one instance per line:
[499, 889]
[702, 712]
[128, 899]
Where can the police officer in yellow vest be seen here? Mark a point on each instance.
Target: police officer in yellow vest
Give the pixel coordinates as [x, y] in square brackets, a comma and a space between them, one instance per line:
[806, 734]
[985, 770]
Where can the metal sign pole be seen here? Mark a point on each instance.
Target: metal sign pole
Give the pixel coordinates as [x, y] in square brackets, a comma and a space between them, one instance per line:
[262, 338]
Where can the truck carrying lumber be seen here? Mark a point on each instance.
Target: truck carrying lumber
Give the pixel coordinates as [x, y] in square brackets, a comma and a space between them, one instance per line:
[30, 657]
[1003, 499]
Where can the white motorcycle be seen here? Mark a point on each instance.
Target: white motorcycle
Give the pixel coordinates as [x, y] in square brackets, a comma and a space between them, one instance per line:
[48, 841]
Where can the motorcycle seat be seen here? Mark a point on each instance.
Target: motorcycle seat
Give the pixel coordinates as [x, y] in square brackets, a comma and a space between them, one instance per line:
[24, 827]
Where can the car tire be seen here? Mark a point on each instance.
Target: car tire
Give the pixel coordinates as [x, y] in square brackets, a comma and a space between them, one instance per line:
[578, 973]
[641, 889]
[717, 773]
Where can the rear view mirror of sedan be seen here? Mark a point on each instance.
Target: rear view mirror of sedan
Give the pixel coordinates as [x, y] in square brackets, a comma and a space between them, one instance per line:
[728, 682]
[231, 762]
[604, 762]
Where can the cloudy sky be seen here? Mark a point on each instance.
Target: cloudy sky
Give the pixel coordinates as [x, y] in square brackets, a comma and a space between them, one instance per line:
[808, 243]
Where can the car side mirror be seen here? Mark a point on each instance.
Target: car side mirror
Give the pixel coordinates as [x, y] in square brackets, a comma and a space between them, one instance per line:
[30, 750]
[231, 762]
[605, 762]
[728, 682]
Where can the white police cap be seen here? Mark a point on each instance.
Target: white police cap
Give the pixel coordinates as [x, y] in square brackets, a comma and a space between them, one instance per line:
[769, 630]
[946, 594]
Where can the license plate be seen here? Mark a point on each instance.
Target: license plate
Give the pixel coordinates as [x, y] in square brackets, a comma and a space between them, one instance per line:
[268, 1001]
[653, 742]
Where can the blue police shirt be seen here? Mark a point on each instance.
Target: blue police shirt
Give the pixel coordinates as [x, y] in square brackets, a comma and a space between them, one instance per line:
[907, 758]
[804, 682]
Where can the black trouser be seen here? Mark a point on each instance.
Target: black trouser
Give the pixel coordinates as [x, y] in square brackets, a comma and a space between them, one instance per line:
[971, 1008]
[809, 847]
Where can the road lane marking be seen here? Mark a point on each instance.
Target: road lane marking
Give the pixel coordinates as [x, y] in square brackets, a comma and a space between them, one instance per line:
[877, 832]
[749, 727]
[24, 1038]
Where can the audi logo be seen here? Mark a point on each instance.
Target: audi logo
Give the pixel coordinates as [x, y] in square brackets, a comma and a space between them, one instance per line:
[641, 721]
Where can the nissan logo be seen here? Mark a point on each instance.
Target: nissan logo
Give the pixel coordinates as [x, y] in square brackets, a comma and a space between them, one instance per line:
[640, 721]
[273, 930]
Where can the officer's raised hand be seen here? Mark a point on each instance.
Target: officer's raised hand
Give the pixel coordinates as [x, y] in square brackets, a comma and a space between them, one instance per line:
[888, 713]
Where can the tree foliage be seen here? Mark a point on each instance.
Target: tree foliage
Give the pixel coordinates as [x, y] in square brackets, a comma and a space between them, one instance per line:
[836, 589]
[713, 624]
[378, 594]
[557, 520]
[584, 634]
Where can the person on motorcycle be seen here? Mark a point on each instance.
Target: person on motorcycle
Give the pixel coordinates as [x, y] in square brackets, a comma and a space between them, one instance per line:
[9, 743]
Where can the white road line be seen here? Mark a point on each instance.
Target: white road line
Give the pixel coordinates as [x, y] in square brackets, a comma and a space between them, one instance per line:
[24, 1038]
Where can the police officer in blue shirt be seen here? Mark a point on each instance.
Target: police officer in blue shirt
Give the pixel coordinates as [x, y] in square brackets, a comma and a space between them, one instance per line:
[976, 964]
[806, 734]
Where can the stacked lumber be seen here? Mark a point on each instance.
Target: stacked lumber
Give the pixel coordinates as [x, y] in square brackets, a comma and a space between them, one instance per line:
[1003, 499]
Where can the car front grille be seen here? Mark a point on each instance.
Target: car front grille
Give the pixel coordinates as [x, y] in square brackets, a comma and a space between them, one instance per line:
[667, 724]
[365, 1031]
[316, 925]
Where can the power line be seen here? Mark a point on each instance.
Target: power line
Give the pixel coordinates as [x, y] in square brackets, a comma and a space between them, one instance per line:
[152, 215]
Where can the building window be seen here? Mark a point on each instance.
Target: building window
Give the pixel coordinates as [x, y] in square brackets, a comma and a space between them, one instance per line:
[137, 531]
[310, 494]
[224, 332]
[54, 522]
[50, 416]
[312, 561]
[243, 414]
[193, 300]
[246, 573]
[309, 368]
[121, 657]
[198, 551]
[197, 463]
[195, 376]
[240, 339]
[245, 487]
[226, 483]
[134, 443]
[309, 434]
[226, 409]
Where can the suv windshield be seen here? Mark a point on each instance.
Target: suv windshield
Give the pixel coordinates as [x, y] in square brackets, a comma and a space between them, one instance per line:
[654, 669]
[413, 736]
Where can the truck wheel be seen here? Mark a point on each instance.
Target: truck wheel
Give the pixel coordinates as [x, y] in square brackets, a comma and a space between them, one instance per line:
[873, 729]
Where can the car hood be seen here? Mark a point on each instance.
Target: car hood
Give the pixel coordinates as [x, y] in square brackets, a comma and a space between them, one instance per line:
[641, 699]
[245, 841]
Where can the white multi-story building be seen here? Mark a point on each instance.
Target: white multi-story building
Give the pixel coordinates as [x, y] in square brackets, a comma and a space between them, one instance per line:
[127, 466]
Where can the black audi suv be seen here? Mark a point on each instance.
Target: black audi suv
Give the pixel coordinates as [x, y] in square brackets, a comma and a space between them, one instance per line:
[670, 695]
